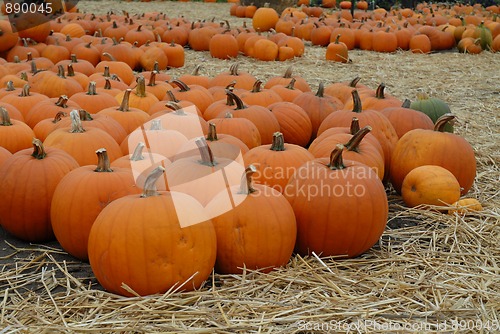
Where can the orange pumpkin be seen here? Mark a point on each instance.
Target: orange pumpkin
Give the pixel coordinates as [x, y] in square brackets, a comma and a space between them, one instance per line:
[430, 185]
[333, 184]
[79, 198]
[26, 205]
[164, 228]
[14, 135]
[258, 233]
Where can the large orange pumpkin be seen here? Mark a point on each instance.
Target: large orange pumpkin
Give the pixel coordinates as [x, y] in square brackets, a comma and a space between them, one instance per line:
[30, 177]
[79, 198]
[165, 241]
[321, 191]
[259, 232]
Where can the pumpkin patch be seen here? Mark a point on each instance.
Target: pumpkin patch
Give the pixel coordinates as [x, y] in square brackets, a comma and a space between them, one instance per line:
[235, 167]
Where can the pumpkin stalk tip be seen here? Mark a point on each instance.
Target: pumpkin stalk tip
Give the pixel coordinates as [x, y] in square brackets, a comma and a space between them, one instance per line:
[38, 149]
[278, 143]
[150, 183]
[246, 185]
[103, 163]
[336, 161]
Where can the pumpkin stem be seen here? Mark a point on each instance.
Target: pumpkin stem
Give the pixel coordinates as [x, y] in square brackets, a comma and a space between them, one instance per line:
[182, 85]
[207, 157]
[38, 149]
[336, 161]
[58, 117]
[291, 84]
[212, 132]
[156, 125]
[406, 103]
[9, 87]
[84, 115]
[442, 121]
[257, 86]
[176, 107]
[288, 73]
[92, 88]
[379, 93]
[109, 56]
[76, 123]
[422, 96]
[357, 106]
[228, 114]
[233, 69]
[354, 126]
[353, 143]
[246, 185]
[354, 82]
[239, 103]
[321, 90]
[140, 89]
[60, 71]
[5, 117]
[152, 78]
[337, 39]
[278, 143]
[124, 106]
[62, 101]
[196, 71]
[137, 154]
[25, 91]
[150, 183]
[103, 164]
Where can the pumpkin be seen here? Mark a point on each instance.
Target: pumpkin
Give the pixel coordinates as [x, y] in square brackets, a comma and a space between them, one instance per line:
[79, 198]
[4, 155]
[259, 96]
[265, 19]
[173, 244]
[432, 107]
[49, 109]
[258, 233]
[223, 46]
[465, 206]
[337, 51]
[25, 205]
[128, 117]
[14, 135]
[241, 128]
[294, 122]
[276, 162]
[321, 190]
[82, 143]
[299, 82]
[8, 37]
[434, 147]
[404, 119]
[199, 95]
[430, 185]
[244, 80]
[318, 106]
[25, 100]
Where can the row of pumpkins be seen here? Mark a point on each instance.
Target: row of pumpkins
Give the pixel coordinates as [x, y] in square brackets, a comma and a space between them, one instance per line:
[434, 27]
[158, 182]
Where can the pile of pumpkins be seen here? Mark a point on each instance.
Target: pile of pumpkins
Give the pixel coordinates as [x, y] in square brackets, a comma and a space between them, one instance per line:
[429, 27]
[156, 180]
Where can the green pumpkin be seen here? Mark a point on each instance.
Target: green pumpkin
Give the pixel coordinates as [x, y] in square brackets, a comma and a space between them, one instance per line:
[485, 36]
[432, 107]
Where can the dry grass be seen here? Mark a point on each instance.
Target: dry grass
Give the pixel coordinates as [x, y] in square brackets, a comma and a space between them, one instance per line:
[430, 272]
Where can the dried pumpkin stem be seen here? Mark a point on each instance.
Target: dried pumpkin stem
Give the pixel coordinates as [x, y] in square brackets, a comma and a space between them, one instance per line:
[354, 82]
[150, 183]
[246, 185]
[354, 126]
[379, 93]
[442, 121]
[257, 86]
[25, 91]
[278, 143]
[291, 84]
[357, 106]
[171, 96]
[181, 84]
[92, 89]
[84, 115]
[156, 125]
[124, 106]
[288, 73]
[137, 154]
[5, 117]
[176, 107]
[321, 90]
[207, 157]
[58, 117]
[38, 149]
[62, 101]
[406, 103]
[239, 103]
[353, 143]
[212, 132]
[140, 89]
[9, 87]
[336, 161]
[103, 164]
[76, 123]
[152, 79]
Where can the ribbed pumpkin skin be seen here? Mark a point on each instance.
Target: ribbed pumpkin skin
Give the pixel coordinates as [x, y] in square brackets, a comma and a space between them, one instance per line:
[27, 188]
[79, 198]
[139, 242]
[259, 233]
[324, 223]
